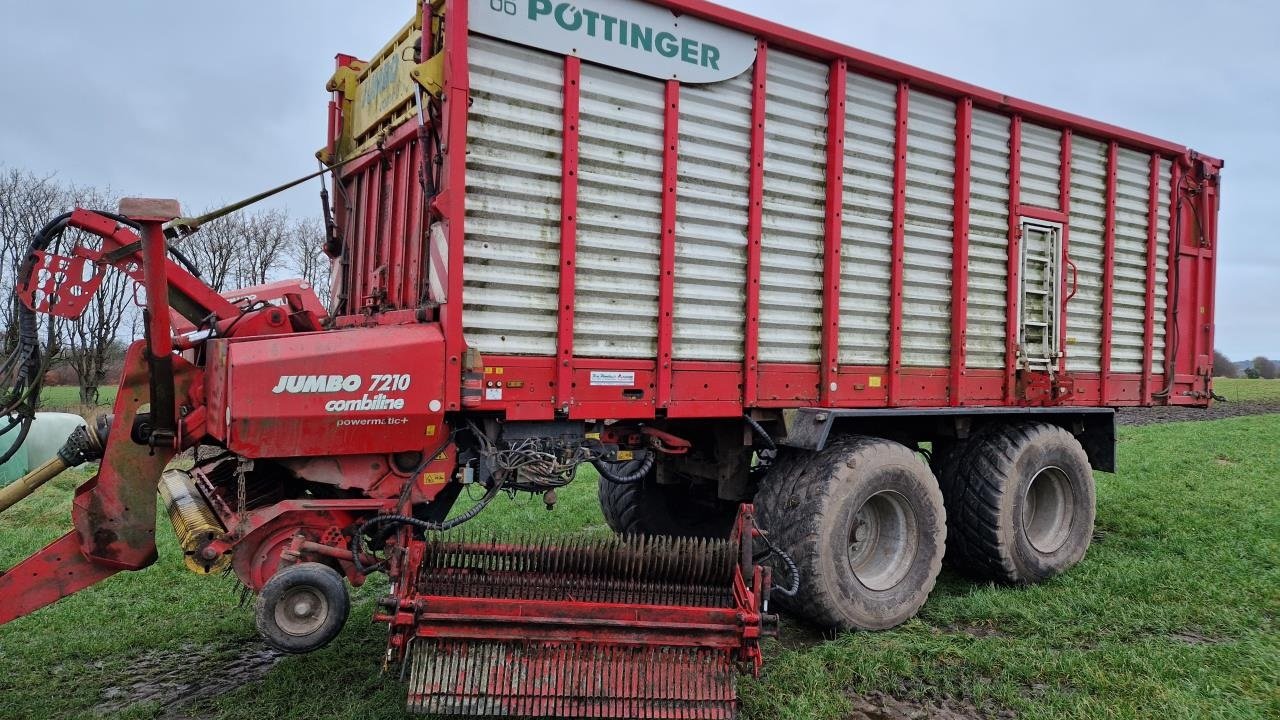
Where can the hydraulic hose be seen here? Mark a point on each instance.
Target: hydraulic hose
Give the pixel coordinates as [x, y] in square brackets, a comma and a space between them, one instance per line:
[760, 432]
[634, 476]
[357, 540]
[23, 371]
[792, 569]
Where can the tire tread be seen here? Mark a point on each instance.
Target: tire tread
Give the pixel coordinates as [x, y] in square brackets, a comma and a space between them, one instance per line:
[791, 502]
[982, 475]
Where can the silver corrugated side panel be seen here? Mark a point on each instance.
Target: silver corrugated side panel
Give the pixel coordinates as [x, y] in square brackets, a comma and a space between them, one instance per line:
[988, 241]
[926, 288]
[513, 199]
[1085, 248]
[1041, 166]
[867, 236]
[711, 220]
[795, 147]
[619, 214]
[1128, 317]
[1162, 266]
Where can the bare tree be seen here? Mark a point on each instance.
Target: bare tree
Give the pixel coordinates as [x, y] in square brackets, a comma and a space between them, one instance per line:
[306, 256]
[215, 250]
[263, 236]
[1223, 366]
[27, 203]
[240, 250]
[1265, 367]
[94, 342]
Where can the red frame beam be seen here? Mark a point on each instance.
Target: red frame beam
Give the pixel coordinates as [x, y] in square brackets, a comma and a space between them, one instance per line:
[1014, 292]
[667, 259]
[899, 242]
[401, 161]
[602, 623]
[1108, 275]
[568, 232]
[1207, 270]
[1064, 205]
[960, 251]
[1170, 305]
[755, 229]
[451, 201]
[1149, 319]
[831, 260]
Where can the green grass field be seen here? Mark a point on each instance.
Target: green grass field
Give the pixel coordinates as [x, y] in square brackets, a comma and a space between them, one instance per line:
[1173, 614]
[1242, 389]
[66, 398]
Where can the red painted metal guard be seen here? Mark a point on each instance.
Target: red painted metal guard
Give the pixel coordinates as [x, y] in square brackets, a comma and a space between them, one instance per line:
[631, 627]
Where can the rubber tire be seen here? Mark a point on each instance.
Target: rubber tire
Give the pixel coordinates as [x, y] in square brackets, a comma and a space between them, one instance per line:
[945, 464]
[986, 495]
[320, 577]
[647, 508]
[807, 504]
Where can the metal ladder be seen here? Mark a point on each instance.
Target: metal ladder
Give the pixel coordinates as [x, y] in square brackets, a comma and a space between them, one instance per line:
[1041, 300]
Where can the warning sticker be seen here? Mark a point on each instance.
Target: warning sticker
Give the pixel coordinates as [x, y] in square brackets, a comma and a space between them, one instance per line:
[612, 379]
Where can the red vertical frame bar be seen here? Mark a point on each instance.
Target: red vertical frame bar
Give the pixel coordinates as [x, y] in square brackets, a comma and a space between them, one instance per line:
[899, 242]
[960, 249]
[396, 288]
[667, 259]
[415, 282]
[834, 228]
[1108, 275]
[1170, 332]
[369, 249]
[379, 269]
[451, 201]
[1013, 296]
[568, 231]
[1149, 319]
[755, 228]
[1208, 268]
[1069, 275]
[419, 214]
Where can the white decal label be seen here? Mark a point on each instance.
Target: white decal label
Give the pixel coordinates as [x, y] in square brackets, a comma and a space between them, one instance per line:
[373, 398]
[613, 379]
[493, 393]
[625, 34]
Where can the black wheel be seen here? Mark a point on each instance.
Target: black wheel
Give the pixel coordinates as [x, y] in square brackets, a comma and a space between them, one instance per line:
[648, 508]
[302, 607]
[945, 463]
[865, 523]
[1022, 503]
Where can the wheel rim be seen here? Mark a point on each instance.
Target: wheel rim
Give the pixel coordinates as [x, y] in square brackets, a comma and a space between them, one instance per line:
[1047, 508]
[882, 540]
[302, 610]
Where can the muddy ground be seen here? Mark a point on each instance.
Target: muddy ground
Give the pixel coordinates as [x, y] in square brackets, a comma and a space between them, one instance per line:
[177, 681]
[1217, 411]
[879, 706]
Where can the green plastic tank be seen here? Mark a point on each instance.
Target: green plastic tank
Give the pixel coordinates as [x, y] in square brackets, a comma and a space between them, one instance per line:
[48, 433]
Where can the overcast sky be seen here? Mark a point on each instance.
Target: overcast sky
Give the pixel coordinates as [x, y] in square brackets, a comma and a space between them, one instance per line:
[212, 101]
